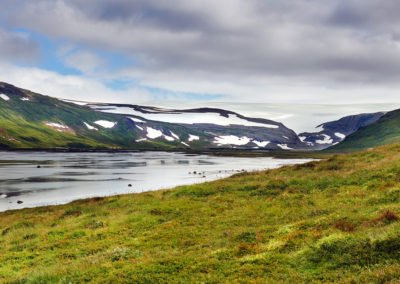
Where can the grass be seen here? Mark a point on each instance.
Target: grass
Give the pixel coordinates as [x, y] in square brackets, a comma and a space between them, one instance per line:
[336, 220]
[23, 126]
[382, 132]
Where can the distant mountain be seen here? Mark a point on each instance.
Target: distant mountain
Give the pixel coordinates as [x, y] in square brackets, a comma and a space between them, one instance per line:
[334, 132]
[384, 131]
[31, 120]
[224, 128]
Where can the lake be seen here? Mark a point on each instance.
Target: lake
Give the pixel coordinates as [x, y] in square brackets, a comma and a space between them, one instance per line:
[48, 178]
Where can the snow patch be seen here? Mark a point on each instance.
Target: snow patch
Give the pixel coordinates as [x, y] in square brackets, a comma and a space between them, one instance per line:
[56, 125]
[327, 140]
[141, 140]
[287, 138]
[231, 140]
[141, 128]
[169, 138]
[4, 97]
[153, 133]
[193, 137]
[136, 119]
[89, 126]
[187, 145]
[340, 135]
[174, 135]
[302, 138]
[188, 118]
[25, 99]
[260, 143]
[284, 146]
[106, 123]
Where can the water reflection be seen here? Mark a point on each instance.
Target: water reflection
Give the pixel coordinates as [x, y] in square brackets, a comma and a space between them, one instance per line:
[41, 178]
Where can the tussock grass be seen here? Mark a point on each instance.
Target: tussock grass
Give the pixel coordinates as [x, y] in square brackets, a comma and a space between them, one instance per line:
[330, 221]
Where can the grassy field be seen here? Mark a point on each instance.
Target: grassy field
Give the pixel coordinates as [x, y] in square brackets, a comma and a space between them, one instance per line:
[330, 221]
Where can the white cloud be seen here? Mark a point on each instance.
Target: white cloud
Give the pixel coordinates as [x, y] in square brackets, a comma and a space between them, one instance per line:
[85, 61]
[68, 87]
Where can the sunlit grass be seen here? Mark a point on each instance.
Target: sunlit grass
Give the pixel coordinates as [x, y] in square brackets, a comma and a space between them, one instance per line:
[334, 220]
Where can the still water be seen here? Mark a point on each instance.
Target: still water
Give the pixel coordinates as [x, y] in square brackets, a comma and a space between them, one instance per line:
[44, 178]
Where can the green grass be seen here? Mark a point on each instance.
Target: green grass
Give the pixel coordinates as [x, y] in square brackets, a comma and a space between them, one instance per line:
[22, 125]
[330, 221]
[382, 132]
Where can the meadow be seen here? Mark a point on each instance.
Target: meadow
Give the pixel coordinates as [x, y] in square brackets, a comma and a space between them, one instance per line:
[335, 220]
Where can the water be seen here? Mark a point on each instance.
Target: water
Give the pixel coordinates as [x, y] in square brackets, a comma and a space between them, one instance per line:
[63, 177]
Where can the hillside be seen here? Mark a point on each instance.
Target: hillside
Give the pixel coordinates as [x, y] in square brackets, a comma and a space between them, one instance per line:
[384, 131]
[330, 221]
[31, 120]
[334, 132]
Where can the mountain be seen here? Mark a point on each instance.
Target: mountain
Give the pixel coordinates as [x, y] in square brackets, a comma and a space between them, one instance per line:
[224, 128]
[334, 132]
[32, 120]
[384, 131]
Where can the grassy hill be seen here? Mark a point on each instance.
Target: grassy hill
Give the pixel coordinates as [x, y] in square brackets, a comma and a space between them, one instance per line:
[26, 120]
[384, 131]
[329, 221]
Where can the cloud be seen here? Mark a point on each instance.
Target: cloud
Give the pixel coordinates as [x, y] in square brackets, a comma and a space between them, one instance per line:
[262, 50]
[68, 86]
[85, 61]
[17, 46]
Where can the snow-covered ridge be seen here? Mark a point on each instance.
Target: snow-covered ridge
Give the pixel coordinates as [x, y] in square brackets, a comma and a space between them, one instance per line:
[186, 117]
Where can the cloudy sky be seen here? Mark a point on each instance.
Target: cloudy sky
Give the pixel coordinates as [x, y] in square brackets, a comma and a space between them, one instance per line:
[260, 51]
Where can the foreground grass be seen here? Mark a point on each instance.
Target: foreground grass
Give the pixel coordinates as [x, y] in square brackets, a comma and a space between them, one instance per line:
[334, 220]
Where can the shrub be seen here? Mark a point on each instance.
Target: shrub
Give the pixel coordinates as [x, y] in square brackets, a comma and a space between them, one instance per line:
[388, 216]
[344, 226]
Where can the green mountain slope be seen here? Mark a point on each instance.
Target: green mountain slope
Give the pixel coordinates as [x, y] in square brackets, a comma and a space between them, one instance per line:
[30, 120]
[331, 221]
[384, 131]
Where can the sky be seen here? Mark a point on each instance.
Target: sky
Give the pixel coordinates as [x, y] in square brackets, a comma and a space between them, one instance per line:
[204, 51]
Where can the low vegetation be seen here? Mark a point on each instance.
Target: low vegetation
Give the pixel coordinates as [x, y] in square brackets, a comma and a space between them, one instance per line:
[336, 220]
[382, 132]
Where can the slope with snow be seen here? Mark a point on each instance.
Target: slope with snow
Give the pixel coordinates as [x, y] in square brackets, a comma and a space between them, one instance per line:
[105, 123]
[4, 97]
[185, 117]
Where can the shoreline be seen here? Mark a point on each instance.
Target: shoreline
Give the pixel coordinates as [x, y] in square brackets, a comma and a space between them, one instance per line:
[228, 152]
[39, 202]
